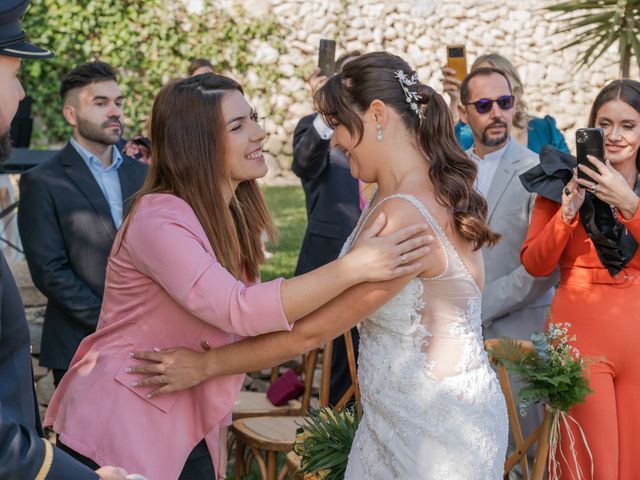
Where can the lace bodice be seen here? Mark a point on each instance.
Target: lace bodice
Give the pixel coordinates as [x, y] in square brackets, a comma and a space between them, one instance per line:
[448, 308]
[425, 378]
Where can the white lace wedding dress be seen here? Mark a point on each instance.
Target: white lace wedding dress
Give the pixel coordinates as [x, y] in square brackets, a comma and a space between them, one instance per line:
[433, 408]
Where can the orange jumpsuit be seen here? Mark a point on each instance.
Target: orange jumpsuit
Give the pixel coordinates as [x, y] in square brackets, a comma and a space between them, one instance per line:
[604, 313]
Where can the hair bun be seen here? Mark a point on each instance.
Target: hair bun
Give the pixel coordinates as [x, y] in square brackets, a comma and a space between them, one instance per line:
[425, 92]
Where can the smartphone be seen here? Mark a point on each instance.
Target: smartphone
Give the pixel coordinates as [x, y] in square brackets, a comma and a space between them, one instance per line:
[327, 57]
[589, 141]
[457, 59]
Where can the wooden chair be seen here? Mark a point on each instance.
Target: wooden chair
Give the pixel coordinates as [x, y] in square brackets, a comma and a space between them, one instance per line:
[263, 437]
[539, 435]
[256, 404]
[292, 464]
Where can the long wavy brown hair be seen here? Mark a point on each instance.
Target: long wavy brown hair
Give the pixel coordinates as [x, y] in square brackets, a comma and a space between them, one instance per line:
[372, 76]
[188, 145]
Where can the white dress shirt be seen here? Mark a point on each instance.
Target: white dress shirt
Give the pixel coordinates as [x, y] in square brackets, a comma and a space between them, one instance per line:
[487, 167]
[324, 130]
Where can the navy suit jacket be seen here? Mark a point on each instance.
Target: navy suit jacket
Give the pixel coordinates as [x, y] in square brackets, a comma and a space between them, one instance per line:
[332, 196]
[67, 231]
[333, 209]
[22, 451]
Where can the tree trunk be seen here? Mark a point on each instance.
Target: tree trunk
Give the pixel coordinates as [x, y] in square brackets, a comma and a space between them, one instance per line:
[625, 62]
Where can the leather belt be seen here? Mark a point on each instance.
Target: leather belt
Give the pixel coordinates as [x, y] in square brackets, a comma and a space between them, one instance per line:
[628, 276]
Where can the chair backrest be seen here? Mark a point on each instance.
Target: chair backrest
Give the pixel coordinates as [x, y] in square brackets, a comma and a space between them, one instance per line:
[310, 360]
[354, 388]
[539, 435]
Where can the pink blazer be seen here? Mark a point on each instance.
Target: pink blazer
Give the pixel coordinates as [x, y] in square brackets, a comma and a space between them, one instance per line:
[164, 288]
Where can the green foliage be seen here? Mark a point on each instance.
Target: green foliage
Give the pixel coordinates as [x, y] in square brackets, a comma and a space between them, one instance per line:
[554, 371]
[324, 442]
[286, 205]
[598, 24]
[149, 42]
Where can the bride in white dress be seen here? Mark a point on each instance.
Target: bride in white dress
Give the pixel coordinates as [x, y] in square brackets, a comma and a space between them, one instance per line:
[432, 405]
[433, 408]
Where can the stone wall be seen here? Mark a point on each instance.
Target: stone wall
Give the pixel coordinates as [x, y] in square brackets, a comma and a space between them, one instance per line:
[419, 30]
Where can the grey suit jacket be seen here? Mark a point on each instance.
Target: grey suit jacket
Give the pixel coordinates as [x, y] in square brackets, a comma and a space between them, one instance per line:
[510, 293]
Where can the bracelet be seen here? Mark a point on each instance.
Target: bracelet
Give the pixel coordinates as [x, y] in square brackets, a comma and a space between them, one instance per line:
[46, 463]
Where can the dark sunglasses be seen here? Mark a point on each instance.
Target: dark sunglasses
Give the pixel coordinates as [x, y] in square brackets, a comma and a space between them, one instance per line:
[484, 105]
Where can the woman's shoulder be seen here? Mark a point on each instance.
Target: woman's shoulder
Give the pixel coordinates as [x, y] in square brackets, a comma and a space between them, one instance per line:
[154, 209]
[407, 208]
[163, 202]
[544, 131]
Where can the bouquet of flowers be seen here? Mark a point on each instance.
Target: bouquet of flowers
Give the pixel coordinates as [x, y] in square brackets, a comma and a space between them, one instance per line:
[554, 373]
[324, 442]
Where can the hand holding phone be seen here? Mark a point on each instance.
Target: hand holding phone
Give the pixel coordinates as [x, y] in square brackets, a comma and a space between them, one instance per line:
[327, 57]
[589, 141]
[457, 60]
[316, 80]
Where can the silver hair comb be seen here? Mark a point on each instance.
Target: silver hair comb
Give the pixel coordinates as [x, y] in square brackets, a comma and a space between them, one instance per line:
[410, 97]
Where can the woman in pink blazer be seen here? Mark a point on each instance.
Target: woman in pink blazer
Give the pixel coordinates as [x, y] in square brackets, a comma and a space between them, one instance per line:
[184, 271]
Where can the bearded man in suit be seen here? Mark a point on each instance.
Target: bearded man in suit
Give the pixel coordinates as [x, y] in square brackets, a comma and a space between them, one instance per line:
[71, 207]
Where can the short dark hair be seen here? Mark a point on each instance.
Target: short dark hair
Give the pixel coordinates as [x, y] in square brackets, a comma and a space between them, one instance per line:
[486, 71]
[196, 63]
[86, 74]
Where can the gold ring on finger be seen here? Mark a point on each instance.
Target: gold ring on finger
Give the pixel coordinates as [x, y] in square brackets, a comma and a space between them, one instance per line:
[403, 260]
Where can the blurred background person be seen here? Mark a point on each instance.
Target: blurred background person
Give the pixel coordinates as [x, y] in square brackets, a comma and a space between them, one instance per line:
[514, 303]
[530, 131]
[71, 207]
[334, 202]
[599, 292]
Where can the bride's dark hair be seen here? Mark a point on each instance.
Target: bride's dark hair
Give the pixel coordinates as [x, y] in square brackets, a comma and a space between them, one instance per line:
[372, 77]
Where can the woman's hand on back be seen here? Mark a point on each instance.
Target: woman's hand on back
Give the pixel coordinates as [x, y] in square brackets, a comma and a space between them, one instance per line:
[390, 256]
[175, 369]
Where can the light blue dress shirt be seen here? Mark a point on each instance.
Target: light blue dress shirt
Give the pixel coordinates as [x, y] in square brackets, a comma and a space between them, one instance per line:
[107, 178]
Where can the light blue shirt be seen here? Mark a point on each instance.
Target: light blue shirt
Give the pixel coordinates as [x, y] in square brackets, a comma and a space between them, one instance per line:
[107, 178]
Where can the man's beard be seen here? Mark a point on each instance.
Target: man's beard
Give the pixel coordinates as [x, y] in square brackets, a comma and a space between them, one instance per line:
[493, 141]
[5, 146]
[98, 133]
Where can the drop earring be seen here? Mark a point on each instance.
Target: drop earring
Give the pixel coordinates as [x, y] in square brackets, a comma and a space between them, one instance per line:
[379, 134]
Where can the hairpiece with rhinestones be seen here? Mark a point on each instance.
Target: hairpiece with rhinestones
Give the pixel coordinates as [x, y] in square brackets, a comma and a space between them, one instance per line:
[410, 97]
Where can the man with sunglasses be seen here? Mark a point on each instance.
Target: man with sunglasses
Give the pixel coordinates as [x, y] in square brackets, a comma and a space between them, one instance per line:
[514, 304]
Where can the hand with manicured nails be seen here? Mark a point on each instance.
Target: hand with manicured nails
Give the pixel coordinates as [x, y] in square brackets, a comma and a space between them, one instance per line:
[389, 256]
[610, 186]
[572, 199]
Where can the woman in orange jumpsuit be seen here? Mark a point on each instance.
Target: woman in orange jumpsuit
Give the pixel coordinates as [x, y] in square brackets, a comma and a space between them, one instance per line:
[603, 309]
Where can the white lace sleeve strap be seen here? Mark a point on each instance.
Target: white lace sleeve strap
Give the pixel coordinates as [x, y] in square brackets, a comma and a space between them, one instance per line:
[424, 211]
